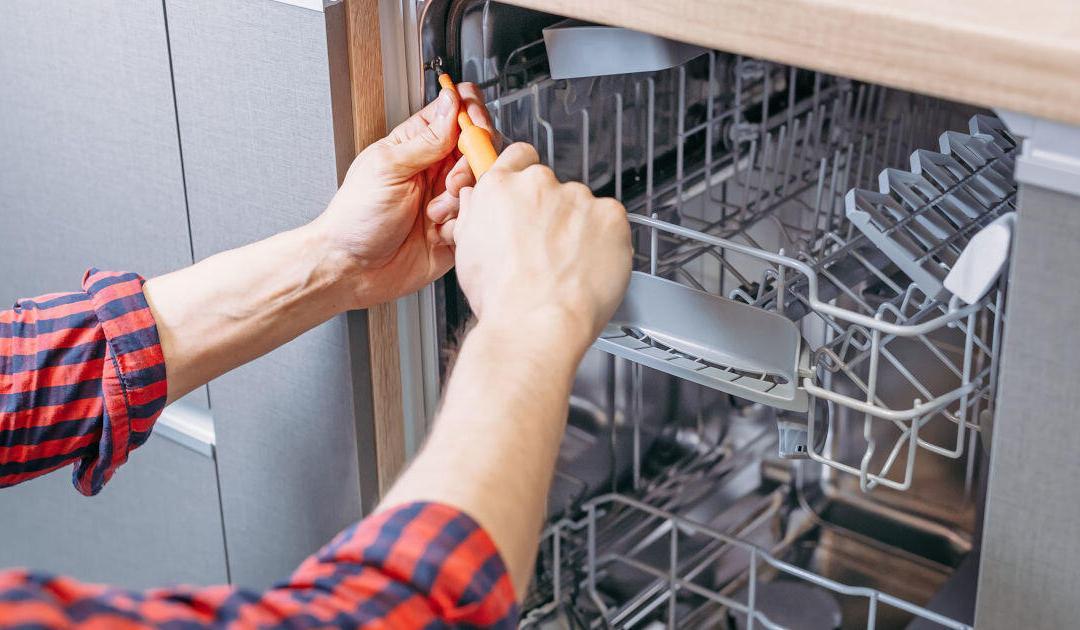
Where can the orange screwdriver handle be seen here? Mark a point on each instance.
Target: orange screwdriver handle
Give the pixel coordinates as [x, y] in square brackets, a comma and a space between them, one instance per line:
[474, 142]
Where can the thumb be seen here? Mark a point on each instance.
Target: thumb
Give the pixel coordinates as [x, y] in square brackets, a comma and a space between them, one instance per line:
[430, 135]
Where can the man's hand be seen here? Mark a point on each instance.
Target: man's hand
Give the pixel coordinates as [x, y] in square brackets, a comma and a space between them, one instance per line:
[385, 218]
[544, 265]
[536, 253]
[371, 245]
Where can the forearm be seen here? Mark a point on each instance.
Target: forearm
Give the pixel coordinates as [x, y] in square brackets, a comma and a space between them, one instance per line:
[238, 305]
[361, 579]
[493, 448]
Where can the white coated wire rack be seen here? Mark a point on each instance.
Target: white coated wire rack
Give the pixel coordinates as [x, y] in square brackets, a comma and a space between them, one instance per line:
[677, 586]
[736, 175]
[734, 172]
[699, 545]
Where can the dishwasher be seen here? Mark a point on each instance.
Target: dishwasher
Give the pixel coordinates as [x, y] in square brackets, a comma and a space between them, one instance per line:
[787, 423]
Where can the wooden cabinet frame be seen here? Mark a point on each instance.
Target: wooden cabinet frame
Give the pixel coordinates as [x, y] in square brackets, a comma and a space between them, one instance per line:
[360, 119]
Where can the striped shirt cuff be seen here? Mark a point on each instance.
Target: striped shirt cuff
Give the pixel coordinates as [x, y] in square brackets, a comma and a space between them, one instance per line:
[440, 568]
[133, 379]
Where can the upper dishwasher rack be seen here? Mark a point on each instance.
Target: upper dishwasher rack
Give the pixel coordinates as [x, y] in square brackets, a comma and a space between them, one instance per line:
[734, 172]
[918, 217]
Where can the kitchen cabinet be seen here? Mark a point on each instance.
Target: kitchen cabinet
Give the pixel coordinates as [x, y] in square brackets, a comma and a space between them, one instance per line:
[146, 136]
[158, 522]
[256, 124]
[1031, 555]
[90, 174]
[90, 168]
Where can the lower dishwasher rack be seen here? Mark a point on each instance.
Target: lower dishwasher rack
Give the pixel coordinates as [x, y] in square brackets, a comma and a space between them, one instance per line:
[671, 584]
[712, 531]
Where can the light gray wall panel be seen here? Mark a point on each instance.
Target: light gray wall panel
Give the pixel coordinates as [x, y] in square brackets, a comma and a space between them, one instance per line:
[1030, 565]
[156, 523]
[90, 174]
[89, 159]
[253, 95]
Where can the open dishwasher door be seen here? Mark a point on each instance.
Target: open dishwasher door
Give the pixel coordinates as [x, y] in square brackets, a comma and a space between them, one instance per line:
[832, 454]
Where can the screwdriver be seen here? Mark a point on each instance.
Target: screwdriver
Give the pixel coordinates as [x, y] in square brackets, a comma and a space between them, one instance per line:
[474, 141]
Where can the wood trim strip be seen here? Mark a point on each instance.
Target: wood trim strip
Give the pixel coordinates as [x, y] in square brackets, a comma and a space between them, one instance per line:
[369, 125]
[993, 53]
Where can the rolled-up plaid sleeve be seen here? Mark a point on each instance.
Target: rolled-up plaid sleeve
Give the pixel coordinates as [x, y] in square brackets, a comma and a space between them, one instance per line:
[419, 565]
[82, 379]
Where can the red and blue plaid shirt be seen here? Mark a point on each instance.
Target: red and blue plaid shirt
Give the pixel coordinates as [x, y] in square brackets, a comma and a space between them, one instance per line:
[82, 380]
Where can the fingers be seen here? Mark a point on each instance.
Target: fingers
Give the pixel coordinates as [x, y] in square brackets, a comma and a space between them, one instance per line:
[465, 202]
[472, 98]
[443, 207]
[433, 110]
[440, 251]
[517, 157]
[431, 133]
[427, 136]
[436, 177]
[459, 177]
[446, 232]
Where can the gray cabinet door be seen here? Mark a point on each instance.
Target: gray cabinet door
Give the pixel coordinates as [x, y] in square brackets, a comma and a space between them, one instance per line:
[256, 125]
[90, 174]
[89, 159]
[157, 522]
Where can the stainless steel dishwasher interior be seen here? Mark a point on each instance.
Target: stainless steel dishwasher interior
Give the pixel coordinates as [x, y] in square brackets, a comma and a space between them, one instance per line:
[678, 504]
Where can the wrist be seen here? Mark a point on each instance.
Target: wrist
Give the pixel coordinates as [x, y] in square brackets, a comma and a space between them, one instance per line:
[332, 269]
[552, 334]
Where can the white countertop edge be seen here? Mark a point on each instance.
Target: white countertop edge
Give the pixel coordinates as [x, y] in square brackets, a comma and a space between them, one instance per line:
[189, 427]
[313, 5]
